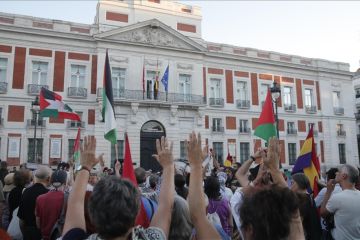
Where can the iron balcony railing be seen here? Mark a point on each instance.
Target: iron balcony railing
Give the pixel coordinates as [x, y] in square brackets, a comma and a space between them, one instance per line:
[217, 129]
[125, 94]
[310, 109]
[77, 92]
[242, 104]
[244, 130]
[291, 131]
[75, 124]
[3, 87]
[39, 123]
[357, 116]
[341, 133]
[216, 102]
[290, 107]
[338, 110]
[34, 89]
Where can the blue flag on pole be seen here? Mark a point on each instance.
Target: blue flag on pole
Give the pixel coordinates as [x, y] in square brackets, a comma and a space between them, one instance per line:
[165, 78]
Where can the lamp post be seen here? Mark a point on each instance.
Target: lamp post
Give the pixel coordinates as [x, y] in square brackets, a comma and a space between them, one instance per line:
[35, 108]
[275, 94]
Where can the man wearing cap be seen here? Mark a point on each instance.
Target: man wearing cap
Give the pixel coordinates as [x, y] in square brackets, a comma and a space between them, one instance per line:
[9, 185]
[49, 205]
[26, 211]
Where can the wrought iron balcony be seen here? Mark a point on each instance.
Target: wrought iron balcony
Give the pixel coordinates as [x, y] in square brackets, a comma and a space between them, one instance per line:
[161, 96]
[39, 123]
[75, 124]
[291, 131]
[216, 102]
[244, 130]
[76, 92]
[338, 110]
[34, 89]
[357, 116]
[290, 107]
[216, 129]
[3, 87]
[118, 92]
[310, 109]
[242, 104]
[341, 133]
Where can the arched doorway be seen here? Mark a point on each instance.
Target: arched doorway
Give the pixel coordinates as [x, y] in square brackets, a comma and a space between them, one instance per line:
[149, 132]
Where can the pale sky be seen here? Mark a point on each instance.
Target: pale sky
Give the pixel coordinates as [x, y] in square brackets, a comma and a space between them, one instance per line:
[315, 29]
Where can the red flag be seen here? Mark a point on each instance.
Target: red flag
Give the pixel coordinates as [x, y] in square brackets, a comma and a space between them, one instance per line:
[128, 172]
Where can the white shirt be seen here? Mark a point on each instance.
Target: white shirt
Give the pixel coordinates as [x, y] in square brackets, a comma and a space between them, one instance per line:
[345, 206]
[235, 203]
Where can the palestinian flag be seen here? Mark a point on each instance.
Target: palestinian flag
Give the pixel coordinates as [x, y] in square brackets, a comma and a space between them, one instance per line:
[51, 105]
[108, 113]
[76, 150]
[265, 127]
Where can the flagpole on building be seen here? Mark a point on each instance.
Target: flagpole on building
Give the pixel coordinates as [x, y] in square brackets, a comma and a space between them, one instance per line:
[143, 78]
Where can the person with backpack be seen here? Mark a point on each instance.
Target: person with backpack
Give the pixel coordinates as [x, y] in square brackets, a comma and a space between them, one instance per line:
[50, 207]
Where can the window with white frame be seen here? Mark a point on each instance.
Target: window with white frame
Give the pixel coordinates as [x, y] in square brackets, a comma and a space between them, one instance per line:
[244, 151]
[309, 101]
[291, 127]
[78, 73]
[288, 92]
[215, 88]
[118, 78]
[313, 124]
[244, 125]
[339, 127]
[263, 91]
[336, 98]
[241, 90]
[292, 153]
[3, 69]
[120, 148]
[217, 124]
[183, 152]
[150, 82]
[218, 150]
[39, 72]
[185, 84]
[342, 153]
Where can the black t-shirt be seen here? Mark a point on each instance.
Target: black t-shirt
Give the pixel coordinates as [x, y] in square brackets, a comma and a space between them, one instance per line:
[27, 204]
[14, 199]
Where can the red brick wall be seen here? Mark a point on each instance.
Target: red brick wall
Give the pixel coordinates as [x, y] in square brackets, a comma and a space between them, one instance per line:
[282, 151]
[19, 68]
[322, 151]
[301, 126]
[55, 120]
[16, 113]
[287, 79]
[59, 71]
[40, 52]
[299, 94]
[257, 144]
[253, 122]
[93, 74]
[308, 82]
[117, 17]
[320, 126]
[78, 56]
[4, 48]
[318, 95]
[206, 121]
[241, 74]
[229, 86]
[281, 125]
[91, 116]
[215, 71]
[254, 89]
[231, 123]
[265, 76]
[186, 27]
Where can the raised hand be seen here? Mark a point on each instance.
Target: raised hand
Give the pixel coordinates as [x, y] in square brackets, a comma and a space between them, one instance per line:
[101, 160]
[273, 155]
[195, 154]
[330, 186]
[164, 152]
[117, 168]
[87, 158]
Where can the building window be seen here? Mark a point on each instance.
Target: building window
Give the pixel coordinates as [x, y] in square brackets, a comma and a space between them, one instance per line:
[183, 151]
[118, 79]
[78, 76]
[263, 91]
[244, 126]
[39, 72]
[339, 127]
[150, 83]
[336, 99]
[291, 129]
[218, 151]
[288, 96]
[185, 85]
[357, 93]
[309, 98]
[241, 90]
[215, 88]
[39, 150]
[292, 153]
[217, 124]
[120, 145]
[3, 69]
[71, 147]
[342, 154]
[244, 151]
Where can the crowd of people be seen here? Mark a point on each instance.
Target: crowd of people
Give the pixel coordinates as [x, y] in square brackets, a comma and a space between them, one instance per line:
[253, 200]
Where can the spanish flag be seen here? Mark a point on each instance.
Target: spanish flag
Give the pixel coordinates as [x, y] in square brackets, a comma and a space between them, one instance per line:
[308, 163]
[228, 161]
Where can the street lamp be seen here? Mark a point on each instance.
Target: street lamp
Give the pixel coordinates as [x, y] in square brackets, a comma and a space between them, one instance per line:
[35, 108]
[275, 94]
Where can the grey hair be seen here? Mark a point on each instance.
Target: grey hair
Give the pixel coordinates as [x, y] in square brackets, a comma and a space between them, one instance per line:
[181, 226]
[43, 172]
[352, 173]
[302, 180]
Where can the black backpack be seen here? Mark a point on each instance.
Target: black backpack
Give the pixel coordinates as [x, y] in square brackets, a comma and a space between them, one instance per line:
[56, 230]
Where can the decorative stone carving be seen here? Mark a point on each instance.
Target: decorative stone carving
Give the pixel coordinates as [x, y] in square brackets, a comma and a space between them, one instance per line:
[185, 66]
[150, 62]
[173, 114]
[153, 113]
[119, 59]
[134, 111]
[152, 35]
[200, 115]
[335, 84]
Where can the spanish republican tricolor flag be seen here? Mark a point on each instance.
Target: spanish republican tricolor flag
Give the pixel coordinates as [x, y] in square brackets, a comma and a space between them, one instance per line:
[308, 163]
[108, 113]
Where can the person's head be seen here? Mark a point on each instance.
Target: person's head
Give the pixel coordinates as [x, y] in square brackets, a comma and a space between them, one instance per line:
[94, 178]
[153, 180]
[21, 178]
[212, 187]
[3, 165]
[140, 175]
[267, 213]
[347, 174]
[179, 181]
[9, 182]
[42, 175]
[180, 226]
[113, 207]
[58, 178]
[331, 173]
[299, 182]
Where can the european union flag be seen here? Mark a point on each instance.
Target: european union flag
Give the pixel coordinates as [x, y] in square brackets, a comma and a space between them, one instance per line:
[165, 78]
